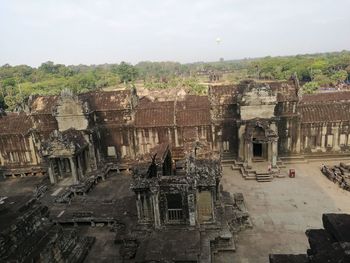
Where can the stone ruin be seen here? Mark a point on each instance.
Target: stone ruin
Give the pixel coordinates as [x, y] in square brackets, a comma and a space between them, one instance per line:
[252, 122]
[183, 213]
[338, 174]
[27, 235]
[81, 138]
[328, 245]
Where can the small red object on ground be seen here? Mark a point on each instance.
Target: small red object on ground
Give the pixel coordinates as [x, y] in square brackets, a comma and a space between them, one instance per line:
[291, 173]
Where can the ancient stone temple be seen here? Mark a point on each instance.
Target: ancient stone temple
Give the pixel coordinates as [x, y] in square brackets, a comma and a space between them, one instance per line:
[67, 154]
[185, 194]
[252, 122]
[258, 125]
[180, 203]
[155, 162]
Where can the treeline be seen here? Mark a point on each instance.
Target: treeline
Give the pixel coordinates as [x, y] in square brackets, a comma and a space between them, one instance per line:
[316, 70]
[18, 82]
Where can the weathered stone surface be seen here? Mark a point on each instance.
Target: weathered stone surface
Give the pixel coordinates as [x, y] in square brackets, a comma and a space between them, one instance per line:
[328, 245]
[31, 237]
[337, 225]
[288, 259]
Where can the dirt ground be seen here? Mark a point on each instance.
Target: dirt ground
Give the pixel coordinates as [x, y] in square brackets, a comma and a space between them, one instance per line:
[282, 210]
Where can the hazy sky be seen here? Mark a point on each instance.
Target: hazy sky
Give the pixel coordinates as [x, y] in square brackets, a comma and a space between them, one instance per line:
[106, 31]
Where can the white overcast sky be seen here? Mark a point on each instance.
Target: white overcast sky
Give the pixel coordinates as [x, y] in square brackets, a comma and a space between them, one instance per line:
[106, 31]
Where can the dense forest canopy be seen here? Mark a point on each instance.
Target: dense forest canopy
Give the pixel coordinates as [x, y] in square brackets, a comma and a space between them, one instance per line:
[17, 83]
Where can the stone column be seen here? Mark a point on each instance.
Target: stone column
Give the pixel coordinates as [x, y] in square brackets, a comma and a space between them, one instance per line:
[213, 205]
[248, 153]
[274, 153]
[298, 143]
[87, 160]
[213, 137]
[269, 152]
[241, 149]
[80, 166]
[52, 175]
[73, 167]
[335, 131]
[92, 154]
[139, 206]
[191, 209]
[155, 201]
[60, 168]
[176, 137]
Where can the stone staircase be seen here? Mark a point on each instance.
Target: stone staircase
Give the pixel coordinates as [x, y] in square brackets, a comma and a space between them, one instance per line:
[258, 171]
[227, 159]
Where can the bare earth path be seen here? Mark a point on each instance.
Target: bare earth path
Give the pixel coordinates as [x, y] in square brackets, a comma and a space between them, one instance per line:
[283, 209]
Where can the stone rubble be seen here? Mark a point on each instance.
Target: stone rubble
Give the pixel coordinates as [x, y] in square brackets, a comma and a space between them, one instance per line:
[31, 237]
[338, 174]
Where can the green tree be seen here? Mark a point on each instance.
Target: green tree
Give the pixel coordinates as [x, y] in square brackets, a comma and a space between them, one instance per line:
[310, 87]
[126, 72]
[339, 77]
[49, 67]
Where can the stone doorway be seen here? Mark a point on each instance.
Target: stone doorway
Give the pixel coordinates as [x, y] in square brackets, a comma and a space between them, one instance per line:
[258, 143]
[257, 150]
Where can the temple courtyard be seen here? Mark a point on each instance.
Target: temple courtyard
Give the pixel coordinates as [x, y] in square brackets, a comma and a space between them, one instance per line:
[282, 210]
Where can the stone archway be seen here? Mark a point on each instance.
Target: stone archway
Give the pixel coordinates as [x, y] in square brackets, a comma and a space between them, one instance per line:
[259, 143]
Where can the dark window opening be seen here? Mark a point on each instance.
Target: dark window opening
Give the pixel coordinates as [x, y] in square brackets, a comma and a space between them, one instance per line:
[167, 165]
[174, 202]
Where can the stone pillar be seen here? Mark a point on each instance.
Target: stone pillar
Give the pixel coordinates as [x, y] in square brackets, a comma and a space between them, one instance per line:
[269, 152]
[248, 153]
[87, 160]
[52, 175]
[80, 166]
[191, 209]
[60, 170]
[155, 201]
[298, 144]
[92, 156]
[138, 206]
[73, 167]
[274, 153]
[336, 138]
[213, 137]
[241, 149]
[213, 205]
[176, 137]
